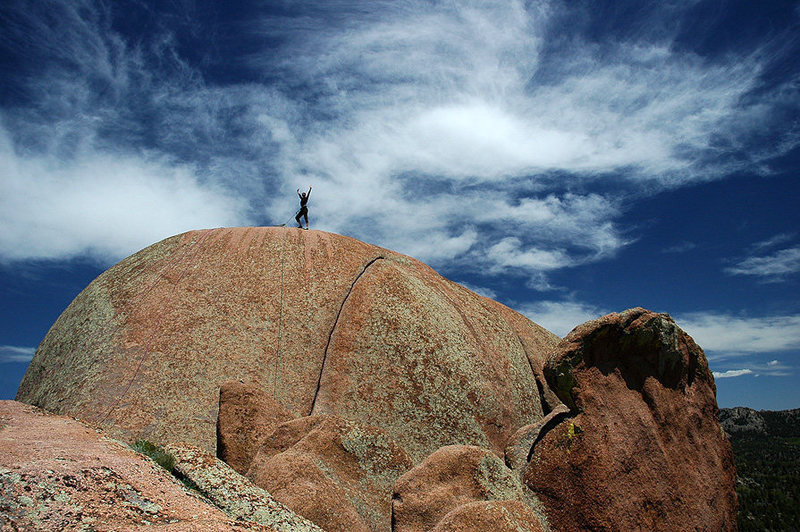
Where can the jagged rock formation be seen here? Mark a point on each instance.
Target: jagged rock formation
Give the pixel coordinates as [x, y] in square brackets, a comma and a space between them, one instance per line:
[363, 391]
[642, 448]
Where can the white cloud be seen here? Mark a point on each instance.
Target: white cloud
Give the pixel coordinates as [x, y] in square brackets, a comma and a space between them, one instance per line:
[723, 333]
[448, 89]
[509, 252]
[778, 239]
[104, 205]
[732, 373]
[560, 317]
[11, 353]
[772, 267]
[773, 368]
[442, 130]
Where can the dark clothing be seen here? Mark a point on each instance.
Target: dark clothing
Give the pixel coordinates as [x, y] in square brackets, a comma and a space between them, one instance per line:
[303, 212]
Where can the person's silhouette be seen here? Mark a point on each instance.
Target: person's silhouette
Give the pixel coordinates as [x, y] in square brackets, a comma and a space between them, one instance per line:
[303, 207]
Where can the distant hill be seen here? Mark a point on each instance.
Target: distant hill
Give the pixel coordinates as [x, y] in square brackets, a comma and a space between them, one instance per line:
[767, 449]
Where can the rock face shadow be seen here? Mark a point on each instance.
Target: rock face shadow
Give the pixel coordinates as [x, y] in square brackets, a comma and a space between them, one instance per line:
[643, 448]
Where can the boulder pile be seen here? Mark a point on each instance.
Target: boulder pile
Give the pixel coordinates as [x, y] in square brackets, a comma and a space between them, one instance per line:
[361, 390]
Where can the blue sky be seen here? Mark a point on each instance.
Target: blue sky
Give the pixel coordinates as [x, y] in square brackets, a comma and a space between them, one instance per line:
[566, 158]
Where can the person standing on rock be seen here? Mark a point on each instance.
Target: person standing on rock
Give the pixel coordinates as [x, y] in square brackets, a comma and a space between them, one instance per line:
[303, 207]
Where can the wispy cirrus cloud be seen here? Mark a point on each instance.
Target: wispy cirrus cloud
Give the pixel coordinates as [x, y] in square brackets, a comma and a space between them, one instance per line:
[725, 336]
[455, 132]
[773, 368]
[776, 240]
[770, 268]
[13, 353]
[732, 373]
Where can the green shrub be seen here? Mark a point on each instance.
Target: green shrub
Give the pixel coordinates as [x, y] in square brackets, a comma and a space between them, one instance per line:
[156, 453]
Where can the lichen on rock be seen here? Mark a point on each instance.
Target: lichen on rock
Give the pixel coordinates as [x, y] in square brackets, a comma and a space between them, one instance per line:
[642, 447]
[234, 493]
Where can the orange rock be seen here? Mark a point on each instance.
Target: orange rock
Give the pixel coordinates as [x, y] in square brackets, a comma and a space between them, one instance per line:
[449, 479]
[336, 473]
[644, 449]
[320, 322]
[494, 516]
[58, 474]
[518, 448]
[247, 414]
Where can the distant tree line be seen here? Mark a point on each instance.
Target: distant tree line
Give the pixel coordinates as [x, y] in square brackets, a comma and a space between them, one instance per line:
[768, 469]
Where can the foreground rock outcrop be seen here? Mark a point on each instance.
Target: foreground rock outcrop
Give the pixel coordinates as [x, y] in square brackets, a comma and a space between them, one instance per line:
[338, 473]
[233, 493]
[58, 474]
[642, 448]
[352, 387]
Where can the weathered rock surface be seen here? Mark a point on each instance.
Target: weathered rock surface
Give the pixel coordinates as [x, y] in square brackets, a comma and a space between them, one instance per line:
[518, 448]
[58, 474]
[337, 473]
[644, 449]
[361, 363]
[233, 493]
[247, 414]
[322, 323]
[493, 516]
[450, 479]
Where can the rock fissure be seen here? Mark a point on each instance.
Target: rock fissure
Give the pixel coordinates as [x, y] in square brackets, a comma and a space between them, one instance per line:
[552, 423]
[533, 370]
[333, 329]
[540, 388]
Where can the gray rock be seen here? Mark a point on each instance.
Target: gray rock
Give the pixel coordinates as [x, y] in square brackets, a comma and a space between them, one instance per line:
[233, 493]
[741, 419]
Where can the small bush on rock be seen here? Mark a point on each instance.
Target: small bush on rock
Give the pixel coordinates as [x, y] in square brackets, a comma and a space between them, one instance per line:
[156, 453]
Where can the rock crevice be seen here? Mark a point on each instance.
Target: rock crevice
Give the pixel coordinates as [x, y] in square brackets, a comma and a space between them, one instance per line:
[333, 329]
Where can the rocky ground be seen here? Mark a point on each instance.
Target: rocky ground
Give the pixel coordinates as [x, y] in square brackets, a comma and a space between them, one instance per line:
[58, 474]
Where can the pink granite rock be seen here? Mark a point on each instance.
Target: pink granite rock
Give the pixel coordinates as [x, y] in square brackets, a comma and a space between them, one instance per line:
[320, 322]
[643, 448]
